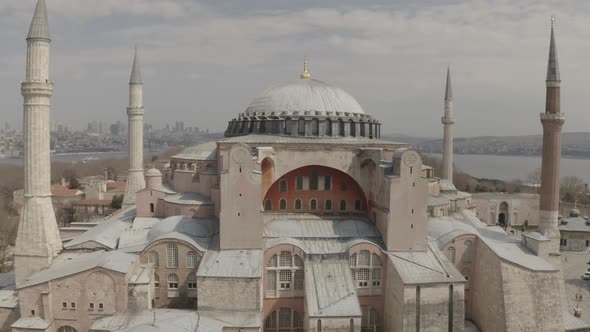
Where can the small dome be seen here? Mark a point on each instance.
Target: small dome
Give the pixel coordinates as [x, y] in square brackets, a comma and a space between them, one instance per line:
[153, 172]
[303, 95]
[574, 212]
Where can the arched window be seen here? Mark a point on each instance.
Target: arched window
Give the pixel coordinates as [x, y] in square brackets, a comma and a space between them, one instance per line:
[191, 281]
[152, 207]
[192, 260]
[367, 269]
[363, 132]
[172, 255]
[451, 254]
[288, 126]
[156, 280]
[370, 130]
[352, 128]
[328, 204]
[315, 127]
[268, 205]
[343, 185]
[313, 179]
[301, 126]
[172, 281]
[283, 204]
[467, 251]
[154, 258]
[342, 205]
[297, 204]
[341, 131]
[251, 128]
[262, 129]
[66, 328]
[370, 319]
[283, 186]
[284, 275]
[284, 319]
[313, 204]
[328, 127]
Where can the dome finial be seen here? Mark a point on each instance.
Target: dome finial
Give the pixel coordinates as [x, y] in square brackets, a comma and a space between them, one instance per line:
[306, 74]
[552, 20]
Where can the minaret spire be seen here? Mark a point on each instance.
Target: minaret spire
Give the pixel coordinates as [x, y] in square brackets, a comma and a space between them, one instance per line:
[552, 120]
[448, 120]
[39, 24]
[449, 88]
[38, 241]
[135, 71]
[135, 111]
[552, 64]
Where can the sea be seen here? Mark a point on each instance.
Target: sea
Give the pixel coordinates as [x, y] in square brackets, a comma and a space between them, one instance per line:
[77, 157]
[509, 168]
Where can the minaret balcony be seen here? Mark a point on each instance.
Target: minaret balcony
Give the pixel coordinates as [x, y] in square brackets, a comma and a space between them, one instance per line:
[553, 116]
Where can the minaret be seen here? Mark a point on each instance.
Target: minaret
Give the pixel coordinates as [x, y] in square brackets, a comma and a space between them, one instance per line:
[552, 121]
[135, 176]
[448, 120]
[38, 240]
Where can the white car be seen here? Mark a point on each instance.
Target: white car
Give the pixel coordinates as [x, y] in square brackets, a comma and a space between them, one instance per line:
[586, 275]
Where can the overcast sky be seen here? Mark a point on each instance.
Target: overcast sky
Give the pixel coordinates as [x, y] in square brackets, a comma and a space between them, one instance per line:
[204, 61]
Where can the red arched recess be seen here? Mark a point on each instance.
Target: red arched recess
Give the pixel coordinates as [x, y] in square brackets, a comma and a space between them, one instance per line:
[299, 185]
[268, 173]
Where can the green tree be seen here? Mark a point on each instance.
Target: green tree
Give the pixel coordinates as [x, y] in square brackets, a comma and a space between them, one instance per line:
[117, 202]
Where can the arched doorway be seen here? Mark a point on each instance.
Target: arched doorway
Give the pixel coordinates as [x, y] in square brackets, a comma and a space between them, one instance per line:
[503, 214]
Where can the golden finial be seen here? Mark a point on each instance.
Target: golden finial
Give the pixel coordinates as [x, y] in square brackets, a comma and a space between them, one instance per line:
[306, 74]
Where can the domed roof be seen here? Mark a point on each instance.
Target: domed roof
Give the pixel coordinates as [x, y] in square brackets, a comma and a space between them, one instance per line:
[153, 172]
[304, 95]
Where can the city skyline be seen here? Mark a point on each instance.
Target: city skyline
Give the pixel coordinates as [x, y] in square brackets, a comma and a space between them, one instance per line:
[391, 57]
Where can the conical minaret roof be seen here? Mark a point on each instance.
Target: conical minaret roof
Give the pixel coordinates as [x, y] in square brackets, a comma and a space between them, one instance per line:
[135, 72]
[40, 24]
[552, 65]
[449, 89]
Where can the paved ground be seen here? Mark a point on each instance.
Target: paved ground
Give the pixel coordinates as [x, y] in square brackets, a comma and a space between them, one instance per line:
[574, 265]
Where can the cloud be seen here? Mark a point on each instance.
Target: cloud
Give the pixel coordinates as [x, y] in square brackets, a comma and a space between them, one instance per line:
[392, 57]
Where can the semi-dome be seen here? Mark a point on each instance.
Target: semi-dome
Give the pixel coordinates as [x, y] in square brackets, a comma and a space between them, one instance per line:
[303, 96]
[305, 107]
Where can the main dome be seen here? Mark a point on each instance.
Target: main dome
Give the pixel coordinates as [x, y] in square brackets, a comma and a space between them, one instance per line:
[304, 95]
[305, 108]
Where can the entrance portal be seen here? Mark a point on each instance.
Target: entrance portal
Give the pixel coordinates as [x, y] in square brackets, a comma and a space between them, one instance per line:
[502, 219]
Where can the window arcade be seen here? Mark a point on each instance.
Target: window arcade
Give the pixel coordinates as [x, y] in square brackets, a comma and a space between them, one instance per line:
[367, 269]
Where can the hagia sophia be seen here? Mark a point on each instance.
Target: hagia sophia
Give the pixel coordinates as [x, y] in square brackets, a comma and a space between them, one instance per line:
[300, 219]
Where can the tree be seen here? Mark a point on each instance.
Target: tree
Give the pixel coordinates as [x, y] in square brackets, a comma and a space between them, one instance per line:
[571, 188]
[74, 184]
[534, 179]
[117, 202]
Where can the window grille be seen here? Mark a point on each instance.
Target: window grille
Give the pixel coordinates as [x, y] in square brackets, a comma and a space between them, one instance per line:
[154, 258]
[191, 260]
[172, 255]
[172, 281]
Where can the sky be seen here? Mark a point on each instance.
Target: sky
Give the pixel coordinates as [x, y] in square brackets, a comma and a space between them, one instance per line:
[204, 61]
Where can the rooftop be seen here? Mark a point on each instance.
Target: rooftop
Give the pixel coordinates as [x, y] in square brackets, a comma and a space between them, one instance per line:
[330, 290]
[423, 267]
[68, 264]
[444, 229]
[231, 264]
[205, 151]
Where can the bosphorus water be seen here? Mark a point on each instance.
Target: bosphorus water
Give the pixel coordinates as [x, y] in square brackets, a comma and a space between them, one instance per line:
[515, 167]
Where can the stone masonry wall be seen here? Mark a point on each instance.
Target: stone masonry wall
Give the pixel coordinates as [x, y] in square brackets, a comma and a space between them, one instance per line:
[229, 293]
